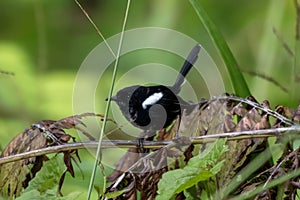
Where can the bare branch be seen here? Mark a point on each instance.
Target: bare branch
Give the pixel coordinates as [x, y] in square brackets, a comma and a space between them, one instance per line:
[149, 144]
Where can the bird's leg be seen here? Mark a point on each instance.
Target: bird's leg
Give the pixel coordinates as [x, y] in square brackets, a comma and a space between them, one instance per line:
[144, 136]
[140, 145]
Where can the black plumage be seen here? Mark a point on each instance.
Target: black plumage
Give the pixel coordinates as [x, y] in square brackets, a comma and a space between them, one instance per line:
[155, 107]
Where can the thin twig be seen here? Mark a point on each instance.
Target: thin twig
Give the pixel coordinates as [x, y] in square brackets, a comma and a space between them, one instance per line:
[6, 72]
[96, 28]
[297, 6]
[268, 78]
[283, 43]
[149, 144]
[259, 106]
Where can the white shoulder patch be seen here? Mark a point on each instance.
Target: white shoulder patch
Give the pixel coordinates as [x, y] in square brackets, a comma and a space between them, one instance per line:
[152, 99]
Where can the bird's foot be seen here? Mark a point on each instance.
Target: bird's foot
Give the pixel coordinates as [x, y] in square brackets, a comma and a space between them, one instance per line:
[144, 136]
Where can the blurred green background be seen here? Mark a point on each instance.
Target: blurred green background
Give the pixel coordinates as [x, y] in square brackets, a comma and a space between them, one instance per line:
[44, 42]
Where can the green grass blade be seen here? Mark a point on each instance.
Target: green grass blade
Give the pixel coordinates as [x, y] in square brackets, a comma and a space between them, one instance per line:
[239, 84]
[98, 152]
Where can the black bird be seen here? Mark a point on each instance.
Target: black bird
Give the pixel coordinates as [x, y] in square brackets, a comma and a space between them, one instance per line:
[155, 107]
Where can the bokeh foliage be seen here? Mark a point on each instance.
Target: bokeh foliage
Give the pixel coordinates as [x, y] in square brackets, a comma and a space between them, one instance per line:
[44, 42]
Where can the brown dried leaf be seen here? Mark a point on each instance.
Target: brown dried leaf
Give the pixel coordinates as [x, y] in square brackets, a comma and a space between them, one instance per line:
[15, 176]
[212, 118]
[68, 162]
[240, 151]
[147, 170]
[219, 115]
[296, 114]
[12, 177]
[163, 134]
[284, 111]
[189, 123]
[239, 110]
[131, 157]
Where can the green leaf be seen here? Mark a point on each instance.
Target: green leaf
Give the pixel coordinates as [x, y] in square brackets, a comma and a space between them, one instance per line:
[48, 177]
[45, 184]
[217, 167]
[191, 193]
[199, 168]
[210, 156]
[114, 194]
[180, 180]
[204, 195]
[192, 179]
[48, 195]
[238, 81]
[99, 190]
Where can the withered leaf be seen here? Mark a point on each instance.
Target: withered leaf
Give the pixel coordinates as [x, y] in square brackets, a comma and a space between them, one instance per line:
[145, 170]
[124, 164]
[296, 114]
[14, 177]
[222, 114]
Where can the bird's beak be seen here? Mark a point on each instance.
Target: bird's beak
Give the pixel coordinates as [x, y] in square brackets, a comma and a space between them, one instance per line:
[113, 98]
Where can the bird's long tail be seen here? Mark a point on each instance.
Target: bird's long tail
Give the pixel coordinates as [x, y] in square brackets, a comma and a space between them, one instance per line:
[187, 65]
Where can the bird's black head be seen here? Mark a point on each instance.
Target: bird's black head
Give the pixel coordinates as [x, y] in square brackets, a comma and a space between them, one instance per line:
[122, 99]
